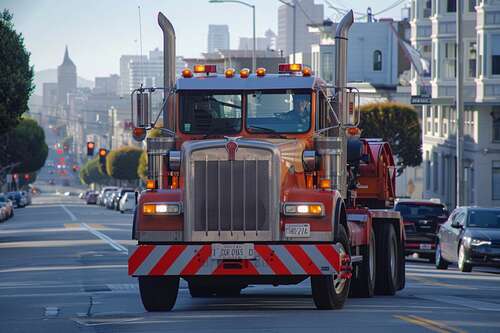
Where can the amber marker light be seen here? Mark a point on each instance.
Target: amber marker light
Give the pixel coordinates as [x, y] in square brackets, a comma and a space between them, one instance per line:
[244, 73]
[150, 184]
[199, 68]
[325, 184]
[260, 72]
[353, 131]
[306, 71]
[149, 209]
[229, 73]
[295, 67]
[186, 73]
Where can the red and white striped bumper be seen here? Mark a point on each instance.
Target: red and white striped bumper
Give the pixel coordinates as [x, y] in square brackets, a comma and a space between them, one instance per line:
[188, 260]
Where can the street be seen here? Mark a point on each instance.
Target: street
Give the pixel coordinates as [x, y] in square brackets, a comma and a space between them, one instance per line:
[63, 268]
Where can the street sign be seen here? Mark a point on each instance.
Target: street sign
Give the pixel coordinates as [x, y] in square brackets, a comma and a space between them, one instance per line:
[421, 100]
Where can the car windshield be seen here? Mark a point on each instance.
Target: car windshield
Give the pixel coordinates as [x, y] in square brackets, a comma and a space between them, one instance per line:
[415, 210]
[210, 113]
[286, 111]
[484, 219]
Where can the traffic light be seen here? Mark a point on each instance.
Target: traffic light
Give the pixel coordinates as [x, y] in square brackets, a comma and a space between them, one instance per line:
[102, 159]
[90, 148]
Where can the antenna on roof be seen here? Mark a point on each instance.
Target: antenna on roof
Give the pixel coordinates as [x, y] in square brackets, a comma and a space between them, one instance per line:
[140, 43]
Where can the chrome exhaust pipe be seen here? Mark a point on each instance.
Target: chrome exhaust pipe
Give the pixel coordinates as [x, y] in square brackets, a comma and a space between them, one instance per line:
[168, 62]
[341, 42]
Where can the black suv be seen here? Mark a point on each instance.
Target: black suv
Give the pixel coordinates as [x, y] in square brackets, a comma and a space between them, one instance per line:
[422, 220]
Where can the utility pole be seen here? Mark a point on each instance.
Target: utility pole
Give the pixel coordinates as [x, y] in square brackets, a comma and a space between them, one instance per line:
[460, 107]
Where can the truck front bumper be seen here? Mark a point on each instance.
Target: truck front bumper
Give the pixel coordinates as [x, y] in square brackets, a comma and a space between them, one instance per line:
[270, 259]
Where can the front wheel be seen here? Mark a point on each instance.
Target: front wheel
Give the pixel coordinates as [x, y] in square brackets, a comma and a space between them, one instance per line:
[463, 266]
[158, 293]
[330, 291]
[440, 262]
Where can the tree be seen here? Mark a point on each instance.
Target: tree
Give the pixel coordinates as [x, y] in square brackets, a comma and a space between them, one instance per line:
[90, 173]
[142, 170]
[123, 163]
[397, 124]
[26, 147]
[16, 75]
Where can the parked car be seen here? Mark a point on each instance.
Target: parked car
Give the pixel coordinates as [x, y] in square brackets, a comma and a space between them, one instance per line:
[27, 197]
[17, 199]
[104, 190]
[9, 207]
[117, 198]
[470, 237]
[108, 199]
[91, 198]
[422, 219]
[127, 202]
[3, 212]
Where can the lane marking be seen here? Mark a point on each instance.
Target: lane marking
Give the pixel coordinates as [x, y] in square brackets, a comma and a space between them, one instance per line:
[51, 311]
[59, 268]
[111, 242]
[429, 324]
[429, 282]
[79, 226]
[70, 214]
[464, 302]
[59, 243]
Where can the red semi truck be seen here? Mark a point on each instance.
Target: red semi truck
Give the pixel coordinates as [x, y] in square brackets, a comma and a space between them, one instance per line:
[263, 179]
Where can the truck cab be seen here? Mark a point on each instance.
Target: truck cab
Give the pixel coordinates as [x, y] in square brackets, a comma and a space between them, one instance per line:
[258, 179]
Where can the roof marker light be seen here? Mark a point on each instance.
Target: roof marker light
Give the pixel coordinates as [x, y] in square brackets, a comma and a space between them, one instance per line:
[306, 71]
[260, 71]
[205, 69]
[244, 73]
[229, 73]
[186, 73]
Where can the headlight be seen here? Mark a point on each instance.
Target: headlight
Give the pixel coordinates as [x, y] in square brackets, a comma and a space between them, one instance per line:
[163, 208]
[303, 209]
[479, 242]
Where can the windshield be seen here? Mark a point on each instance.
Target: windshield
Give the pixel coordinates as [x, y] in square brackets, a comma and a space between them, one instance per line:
[209, 113]
[409, 210]
[484, 219]
[279, 111]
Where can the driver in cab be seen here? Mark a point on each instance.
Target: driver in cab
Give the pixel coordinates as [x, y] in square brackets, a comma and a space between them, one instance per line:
[300, 112]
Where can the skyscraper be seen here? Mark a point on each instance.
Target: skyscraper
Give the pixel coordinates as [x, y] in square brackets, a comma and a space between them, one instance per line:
[218, 37]
[66, 78]
[125, 61]
[307, 12]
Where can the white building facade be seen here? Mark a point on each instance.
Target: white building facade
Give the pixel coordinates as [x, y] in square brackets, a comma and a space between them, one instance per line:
[481, 54]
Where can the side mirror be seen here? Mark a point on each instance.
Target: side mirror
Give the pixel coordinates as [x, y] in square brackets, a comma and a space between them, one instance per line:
[455, 224]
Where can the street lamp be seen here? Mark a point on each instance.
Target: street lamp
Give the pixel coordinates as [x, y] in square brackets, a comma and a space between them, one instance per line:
[253, 12]
[294, 8]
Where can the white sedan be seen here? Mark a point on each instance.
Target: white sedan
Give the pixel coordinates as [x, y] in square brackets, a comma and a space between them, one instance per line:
[127, 202]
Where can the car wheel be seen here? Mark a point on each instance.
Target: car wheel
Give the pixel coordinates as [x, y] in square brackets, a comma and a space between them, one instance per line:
[331, 291]
[363, 285]
[158, 293]
[462, 260]
[387, 278]
[440, 262]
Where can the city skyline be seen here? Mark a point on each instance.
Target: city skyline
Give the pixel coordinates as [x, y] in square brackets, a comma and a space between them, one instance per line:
[118, 34]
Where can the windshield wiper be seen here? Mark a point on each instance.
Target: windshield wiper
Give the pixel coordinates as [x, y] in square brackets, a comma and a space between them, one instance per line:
[266, 130]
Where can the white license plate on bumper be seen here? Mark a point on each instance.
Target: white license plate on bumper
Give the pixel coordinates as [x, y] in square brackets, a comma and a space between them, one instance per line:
[297, 230]
[233, 251]
[425, 247]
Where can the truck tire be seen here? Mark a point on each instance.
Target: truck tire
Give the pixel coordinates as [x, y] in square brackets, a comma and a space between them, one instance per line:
[158, 293]
[330, 292]
[441, 263]
[228, 291]
[363, 285]
[388, 260]
[402, 265]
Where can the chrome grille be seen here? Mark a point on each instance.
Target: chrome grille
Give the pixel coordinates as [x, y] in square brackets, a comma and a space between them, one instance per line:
[231, 195]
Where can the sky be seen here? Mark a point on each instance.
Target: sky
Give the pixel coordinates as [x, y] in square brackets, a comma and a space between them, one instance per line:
[98, 32]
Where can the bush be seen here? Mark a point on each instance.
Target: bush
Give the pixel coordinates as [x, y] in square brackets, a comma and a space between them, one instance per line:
[123, 163]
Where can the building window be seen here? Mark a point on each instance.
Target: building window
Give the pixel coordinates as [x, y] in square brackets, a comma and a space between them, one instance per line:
[472, 6]
[472, 59]
[377, 60]
[495, 176]
[495, 55]
[450, 59]
[427, 171]
[427, 8]
[496, 124]
[451, 6]
[435, 170]
[433, 7]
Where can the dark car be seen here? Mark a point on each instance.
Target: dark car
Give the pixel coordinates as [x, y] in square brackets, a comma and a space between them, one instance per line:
[470, 237]
[422, 220]
[91, 198]
[17, 199]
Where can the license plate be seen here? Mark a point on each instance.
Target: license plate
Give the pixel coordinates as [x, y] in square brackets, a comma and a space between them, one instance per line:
[233, 251]
[297, 230]
[425, 246]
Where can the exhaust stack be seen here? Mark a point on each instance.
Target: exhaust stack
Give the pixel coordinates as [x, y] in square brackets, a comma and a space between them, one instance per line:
[168, 61]
[341, 95]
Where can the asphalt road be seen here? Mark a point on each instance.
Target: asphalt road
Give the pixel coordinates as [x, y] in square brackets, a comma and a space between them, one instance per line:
[63, 268]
